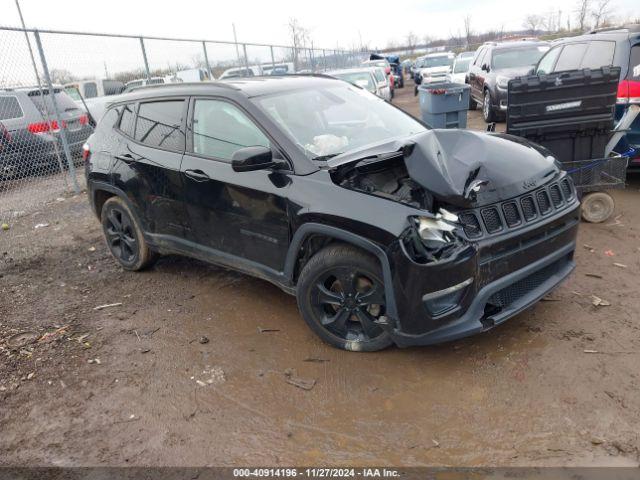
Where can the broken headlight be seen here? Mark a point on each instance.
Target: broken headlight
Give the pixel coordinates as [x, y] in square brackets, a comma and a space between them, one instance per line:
[431, 239]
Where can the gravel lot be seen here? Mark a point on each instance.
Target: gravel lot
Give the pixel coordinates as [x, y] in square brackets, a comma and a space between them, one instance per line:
[191, 366]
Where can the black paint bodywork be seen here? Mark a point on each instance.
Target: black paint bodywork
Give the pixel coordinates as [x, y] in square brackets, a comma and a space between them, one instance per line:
[262, 222]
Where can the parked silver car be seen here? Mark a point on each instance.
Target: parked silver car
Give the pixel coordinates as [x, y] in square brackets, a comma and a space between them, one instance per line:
[371, 79]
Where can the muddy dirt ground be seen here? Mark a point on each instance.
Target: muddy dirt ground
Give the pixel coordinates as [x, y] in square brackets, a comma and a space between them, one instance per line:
[190, 367]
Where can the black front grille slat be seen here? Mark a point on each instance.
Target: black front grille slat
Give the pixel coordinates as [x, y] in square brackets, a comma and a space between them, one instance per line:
[556, 195]
[528, 208]
[471, 224]
[566, 189]
[522, 210]
[492, 220]
[511, 214]
[544, 203]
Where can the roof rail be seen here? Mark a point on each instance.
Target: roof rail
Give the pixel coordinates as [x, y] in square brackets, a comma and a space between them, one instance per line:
[177, 84]
[632, 27]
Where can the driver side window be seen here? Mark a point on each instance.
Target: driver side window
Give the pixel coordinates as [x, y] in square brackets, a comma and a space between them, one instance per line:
[220, 129]
[545, 66]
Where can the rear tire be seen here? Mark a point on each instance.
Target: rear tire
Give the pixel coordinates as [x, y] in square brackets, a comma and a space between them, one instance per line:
[341, 297]
[597, 207]
[124, 236]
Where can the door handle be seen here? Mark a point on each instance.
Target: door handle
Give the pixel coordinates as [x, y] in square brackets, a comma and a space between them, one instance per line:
[197, 175]
[126, 158]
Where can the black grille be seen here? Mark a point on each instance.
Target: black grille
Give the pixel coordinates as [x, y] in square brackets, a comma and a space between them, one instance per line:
[556, 196]
[544, 204]
[519, 289]
[528, 208]
[511, 214]
[471, 224]
[566, 188]
[491, 219]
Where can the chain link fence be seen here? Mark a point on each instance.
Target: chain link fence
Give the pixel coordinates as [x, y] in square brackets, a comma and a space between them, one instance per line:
[52, 84]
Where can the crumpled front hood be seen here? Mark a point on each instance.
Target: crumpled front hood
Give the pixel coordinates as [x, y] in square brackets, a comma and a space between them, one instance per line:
[467, 169]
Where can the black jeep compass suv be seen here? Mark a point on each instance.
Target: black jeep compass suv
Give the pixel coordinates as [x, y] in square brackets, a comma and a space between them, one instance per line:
[386, 232]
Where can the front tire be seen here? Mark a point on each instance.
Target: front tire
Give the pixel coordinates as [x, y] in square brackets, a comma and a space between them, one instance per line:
[124, 236]
[488, 113]
[341, 297]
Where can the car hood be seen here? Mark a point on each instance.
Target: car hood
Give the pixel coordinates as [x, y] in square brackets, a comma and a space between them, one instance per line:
[513, 72]
[463, 168]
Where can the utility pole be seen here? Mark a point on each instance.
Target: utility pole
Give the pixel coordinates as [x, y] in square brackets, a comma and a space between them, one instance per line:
[235, 40]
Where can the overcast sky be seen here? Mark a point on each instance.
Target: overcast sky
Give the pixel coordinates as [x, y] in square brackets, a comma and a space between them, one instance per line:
[330, 22]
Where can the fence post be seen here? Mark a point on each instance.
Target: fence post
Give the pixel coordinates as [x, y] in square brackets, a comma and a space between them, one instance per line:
[324, 59]
[273, 60]
[206, 59]
[144, 57]
[246, 59]
[56, 111]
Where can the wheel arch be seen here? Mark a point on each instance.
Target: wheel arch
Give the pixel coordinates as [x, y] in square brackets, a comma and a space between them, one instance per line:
[326, 234]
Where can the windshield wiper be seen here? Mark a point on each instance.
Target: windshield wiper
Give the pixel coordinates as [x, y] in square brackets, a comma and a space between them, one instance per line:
[324, 158]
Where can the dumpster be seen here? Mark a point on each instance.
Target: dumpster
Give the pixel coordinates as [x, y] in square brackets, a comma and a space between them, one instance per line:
[444, 105]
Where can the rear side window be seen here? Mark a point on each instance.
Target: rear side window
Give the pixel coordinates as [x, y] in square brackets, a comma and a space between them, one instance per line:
[9, 108]
[220, 129]
[599, 54]
[571, 57]
[128, 120]
[159, 124]
[634, 65]
[43, 102]
[90, 90]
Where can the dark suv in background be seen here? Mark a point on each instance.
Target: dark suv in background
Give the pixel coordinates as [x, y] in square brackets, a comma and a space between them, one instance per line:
[618, 47]
[28, 120]
[493, 65]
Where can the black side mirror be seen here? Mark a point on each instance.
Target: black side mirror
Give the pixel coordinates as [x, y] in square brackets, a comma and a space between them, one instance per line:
[531, 71]
[249, 159]
[485, 67]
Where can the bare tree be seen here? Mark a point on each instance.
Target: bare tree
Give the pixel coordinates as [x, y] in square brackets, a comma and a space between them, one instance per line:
[601, 12]
[532, 22]
[582, 9]
[468, 32]
[62, 76]
[299, 39]
[411, 41]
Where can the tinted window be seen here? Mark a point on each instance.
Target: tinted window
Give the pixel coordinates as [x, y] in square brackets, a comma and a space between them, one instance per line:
[599, 54]
[571, 57]
[9, 108]
[546, 63]
[90, 90]
[634, 65]
[159, 124]
[220, 129]
[128, 120]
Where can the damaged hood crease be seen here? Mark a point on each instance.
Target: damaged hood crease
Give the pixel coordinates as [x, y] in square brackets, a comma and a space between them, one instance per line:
[467, 169]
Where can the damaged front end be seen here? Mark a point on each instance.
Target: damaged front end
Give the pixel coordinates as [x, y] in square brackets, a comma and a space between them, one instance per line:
[490, 227]
[428, 239]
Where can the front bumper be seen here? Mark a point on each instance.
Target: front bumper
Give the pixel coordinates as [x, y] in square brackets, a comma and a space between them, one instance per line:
[500, 99]
[509, 274]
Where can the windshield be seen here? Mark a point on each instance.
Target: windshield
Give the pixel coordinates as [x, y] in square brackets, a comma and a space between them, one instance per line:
[361, 79]
[333, 119]
[461, 65]
[518, 57]
[437, 62]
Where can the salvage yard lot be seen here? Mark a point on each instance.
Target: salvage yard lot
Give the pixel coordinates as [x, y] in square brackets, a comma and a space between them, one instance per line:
[196, 365]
